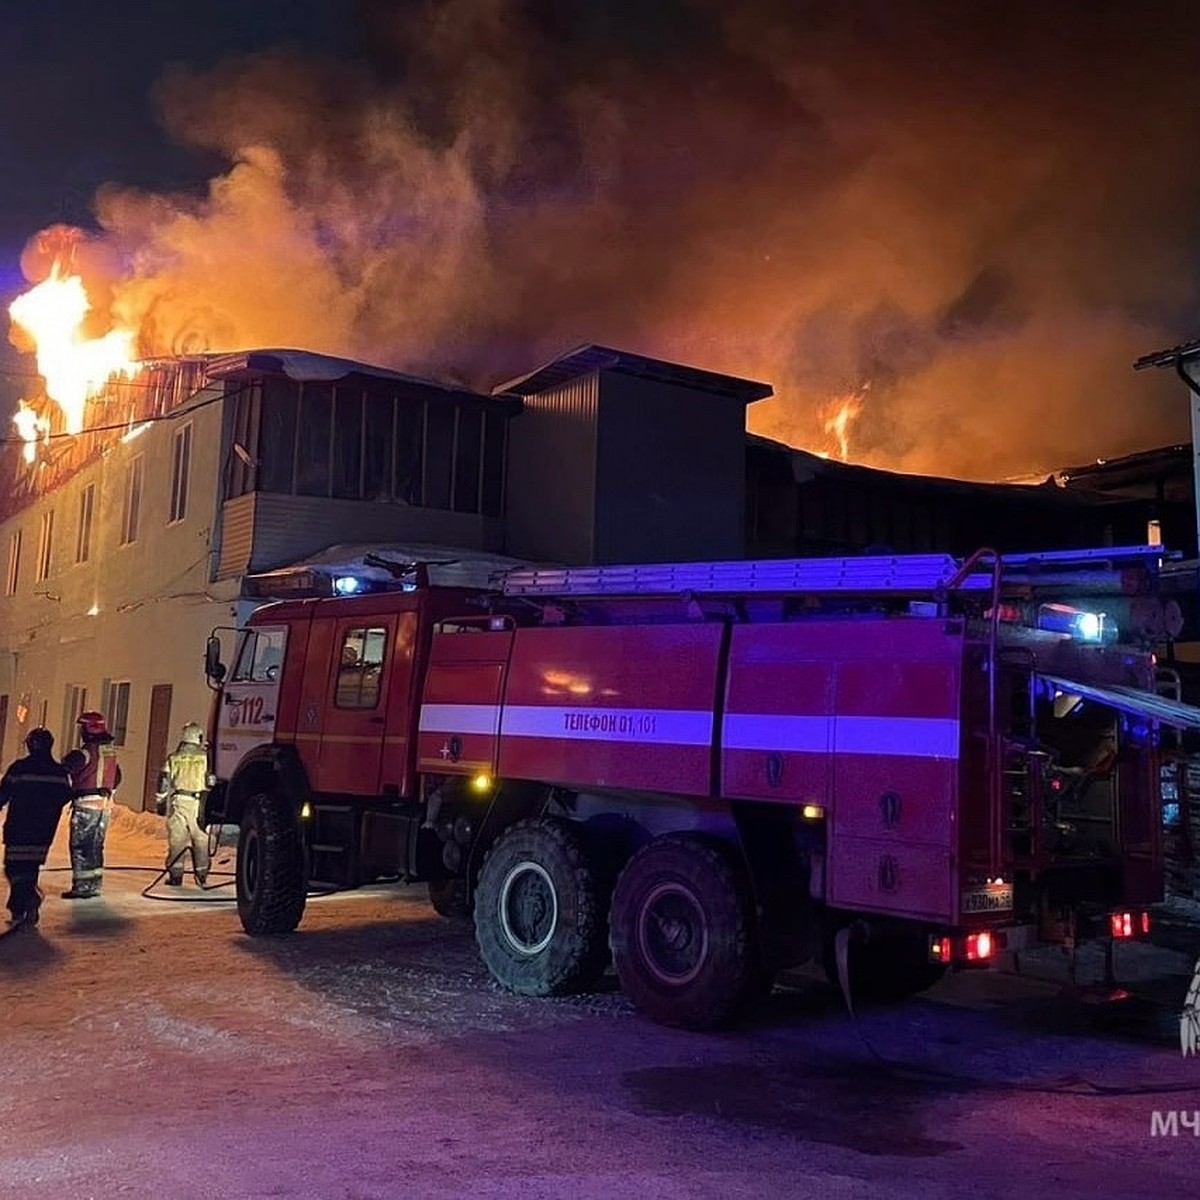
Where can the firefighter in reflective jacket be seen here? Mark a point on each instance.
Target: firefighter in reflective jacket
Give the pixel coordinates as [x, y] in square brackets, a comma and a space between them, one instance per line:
[35, 789]
[95, 775]
[180, 790]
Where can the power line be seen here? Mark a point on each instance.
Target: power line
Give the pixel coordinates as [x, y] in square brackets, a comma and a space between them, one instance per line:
[175, 415]
[147, 365]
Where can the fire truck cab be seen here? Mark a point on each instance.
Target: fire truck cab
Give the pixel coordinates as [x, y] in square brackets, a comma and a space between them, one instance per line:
[703, 773]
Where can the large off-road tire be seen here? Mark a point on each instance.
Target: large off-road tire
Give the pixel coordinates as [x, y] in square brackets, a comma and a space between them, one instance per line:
[540, 910]
[450, 898]
[683, 934]
[271, 876]
[883, 968]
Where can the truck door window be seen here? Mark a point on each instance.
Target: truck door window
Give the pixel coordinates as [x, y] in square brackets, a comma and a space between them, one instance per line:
[360, 666]
[260, 656]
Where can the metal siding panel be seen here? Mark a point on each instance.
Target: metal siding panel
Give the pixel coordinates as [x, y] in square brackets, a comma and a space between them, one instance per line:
[615, 707]
[237, 536]
[287, 528]
[671, 478]
[551, 474]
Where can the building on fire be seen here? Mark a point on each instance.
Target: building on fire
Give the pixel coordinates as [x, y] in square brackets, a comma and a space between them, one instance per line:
[205, 485]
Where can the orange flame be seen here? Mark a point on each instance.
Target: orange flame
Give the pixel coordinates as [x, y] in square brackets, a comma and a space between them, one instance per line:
[73, 366]
[838, 415]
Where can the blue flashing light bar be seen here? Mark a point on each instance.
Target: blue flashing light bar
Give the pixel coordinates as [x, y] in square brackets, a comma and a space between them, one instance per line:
[1075, 622]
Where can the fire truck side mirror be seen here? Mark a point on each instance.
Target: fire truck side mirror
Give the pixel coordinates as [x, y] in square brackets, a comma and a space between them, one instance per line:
[214, 668]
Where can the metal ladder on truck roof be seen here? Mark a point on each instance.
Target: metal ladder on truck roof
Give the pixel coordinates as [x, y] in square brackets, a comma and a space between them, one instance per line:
[897, 574]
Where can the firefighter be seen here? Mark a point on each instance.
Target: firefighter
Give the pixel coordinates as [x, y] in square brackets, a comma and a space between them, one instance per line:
[180, 791]
[36, 789]
[95, 776]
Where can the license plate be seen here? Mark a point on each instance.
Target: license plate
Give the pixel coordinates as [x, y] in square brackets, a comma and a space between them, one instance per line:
[993, 898]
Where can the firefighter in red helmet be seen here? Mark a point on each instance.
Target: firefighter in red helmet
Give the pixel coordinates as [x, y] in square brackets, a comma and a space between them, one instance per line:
[95, 776]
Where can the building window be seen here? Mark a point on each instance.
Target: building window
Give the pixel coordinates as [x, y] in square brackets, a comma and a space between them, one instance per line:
[360, 668]
[83, 536]
[259, 656]
[14, 564]
[132, 506]
[277, 441]
[347, 481]
[244, 437]
[181, 468]
[494, 429]
[45, 545]
[468, 448]
[439, 454]
[116, 711]
[74, 703]
[354, 443]
[312, 454]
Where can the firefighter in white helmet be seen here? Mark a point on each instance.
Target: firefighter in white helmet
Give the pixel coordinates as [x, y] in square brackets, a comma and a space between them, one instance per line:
[181, 786]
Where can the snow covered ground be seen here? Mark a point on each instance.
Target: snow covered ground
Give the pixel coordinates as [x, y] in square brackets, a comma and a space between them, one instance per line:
[151, 1049]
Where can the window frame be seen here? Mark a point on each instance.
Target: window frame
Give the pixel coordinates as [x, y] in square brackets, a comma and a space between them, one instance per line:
[358, 670]
[116, 710]
[12, 578]
[83, 534]
[45, 554]
[131, 504]
[181, 473]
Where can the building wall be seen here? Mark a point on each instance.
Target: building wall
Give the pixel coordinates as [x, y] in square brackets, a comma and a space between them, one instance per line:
[137, 613]
[671, 473]
[262, 531]
[551, 475]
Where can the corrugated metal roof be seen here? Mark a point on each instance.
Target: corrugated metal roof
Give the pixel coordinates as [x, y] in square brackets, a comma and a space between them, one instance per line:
[1168, 357]
[806, 465]
[455, 566]
[303, 366]
[584, 360]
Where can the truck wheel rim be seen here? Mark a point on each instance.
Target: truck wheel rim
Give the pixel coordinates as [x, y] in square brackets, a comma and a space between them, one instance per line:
[672, 934]
[528, 908]
[250, 871]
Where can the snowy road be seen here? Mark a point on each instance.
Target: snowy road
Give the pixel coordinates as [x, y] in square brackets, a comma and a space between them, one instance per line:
[150, 1049]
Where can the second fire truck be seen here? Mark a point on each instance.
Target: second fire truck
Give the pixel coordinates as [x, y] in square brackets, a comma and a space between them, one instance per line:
[702, 773]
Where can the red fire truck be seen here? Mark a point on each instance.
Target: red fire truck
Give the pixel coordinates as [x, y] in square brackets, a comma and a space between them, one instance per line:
[702, 773]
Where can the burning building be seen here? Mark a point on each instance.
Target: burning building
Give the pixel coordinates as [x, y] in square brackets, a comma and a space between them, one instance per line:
[144, 503]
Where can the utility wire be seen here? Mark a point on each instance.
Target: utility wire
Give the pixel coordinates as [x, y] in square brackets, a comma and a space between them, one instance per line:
[175, 415]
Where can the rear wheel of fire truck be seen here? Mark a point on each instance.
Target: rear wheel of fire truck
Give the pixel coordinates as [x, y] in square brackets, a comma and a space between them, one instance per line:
[270, 867]
[683, 934]
[883, 968]
[450, 899]
[540, 911]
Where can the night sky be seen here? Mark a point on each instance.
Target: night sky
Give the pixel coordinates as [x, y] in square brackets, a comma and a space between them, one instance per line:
[973, 216]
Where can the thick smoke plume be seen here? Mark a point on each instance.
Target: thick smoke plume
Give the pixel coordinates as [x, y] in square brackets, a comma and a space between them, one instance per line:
[978, 213]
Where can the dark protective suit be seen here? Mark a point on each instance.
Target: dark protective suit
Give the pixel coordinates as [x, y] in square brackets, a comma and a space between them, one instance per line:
[35, 789]
[180, 790]
[95, 775]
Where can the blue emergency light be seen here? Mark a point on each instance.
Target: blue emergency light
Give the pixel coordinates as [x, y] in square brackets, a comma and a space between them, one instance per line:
[1075, 622]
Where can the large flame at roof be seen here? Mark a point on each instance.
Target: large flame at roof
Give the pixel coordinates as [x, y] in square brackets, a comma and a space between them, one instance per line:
[74, 367]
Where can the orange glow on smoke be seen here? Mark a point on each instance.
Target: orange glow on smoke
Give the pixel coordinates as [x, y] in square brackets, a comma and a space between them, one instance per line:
[74, 367]
[838, 416]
